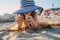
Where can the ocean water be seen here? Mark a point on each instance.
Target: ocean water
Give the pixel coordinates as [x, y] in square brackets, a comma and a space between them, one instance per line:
[48, 34]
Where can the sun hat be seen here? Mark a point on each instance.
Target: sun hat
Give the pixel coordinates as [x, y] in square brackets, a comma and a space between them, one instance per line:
[27, 6]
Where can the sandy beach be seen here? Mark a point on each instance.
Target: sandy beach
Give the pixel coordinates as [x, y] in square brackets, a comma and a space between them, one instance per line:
[47, 34]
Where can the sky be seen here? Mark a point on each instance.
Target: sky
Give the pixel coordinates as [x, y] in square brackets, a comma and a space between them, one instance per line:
[10, 6]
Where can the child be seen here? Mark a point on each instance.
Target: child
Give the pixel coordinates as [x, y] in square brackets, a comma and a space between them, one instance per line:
[27, 15]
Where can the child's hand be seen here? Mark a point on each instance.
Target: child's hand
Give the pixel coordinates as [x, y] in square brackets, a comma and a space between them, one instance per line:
[28, 20]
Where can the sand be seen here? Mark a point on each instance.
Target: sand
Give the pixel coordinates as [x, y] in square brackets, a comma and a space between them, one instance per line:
[46, 34]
